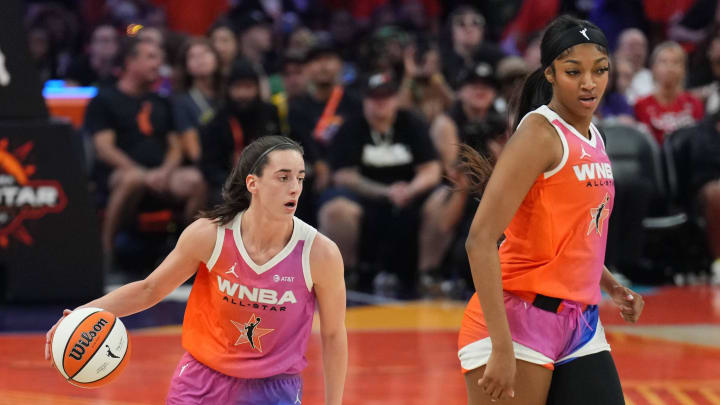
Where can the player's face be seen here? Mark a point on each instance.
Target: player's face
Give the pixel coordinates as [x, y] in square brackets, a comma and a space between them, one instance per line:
[278, 189]
[669, 67]
[580, 78]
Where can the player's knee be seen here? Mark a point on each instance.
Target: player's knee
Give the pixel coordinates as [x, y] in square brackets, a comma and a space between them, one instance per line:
[130, 178]
[188, 182]
[340, 210]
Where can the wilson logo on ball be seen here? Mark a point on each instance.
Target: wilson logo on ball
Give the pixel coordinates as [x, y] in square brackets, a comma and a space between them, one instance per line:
[86, 338]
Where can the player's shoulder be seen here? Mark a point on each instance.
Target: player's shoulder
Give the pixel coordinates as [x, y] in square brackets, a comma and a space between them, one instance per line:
[324, 251]
[199, 236]
[537, 127]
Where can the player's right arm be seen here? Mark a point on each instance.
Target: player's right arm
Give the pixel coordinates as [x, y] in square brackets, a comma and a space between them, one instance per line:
[531, 151]
[194, 246]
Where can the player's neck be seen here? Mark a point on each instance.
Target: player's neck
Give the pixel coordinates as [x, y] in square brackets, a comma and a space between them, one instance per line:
[580, 123]
[258, 229]
[205, 85]
[667, 94]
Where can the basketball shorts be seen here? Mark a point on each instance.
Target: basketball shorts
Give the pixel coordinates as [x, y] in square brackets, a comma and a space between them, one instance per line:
[548, 337]
[194, 383]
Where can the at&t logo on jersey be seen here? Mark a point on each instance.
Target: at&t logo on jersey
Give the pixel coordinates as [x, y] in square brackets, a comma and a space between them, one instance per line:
[594, 174]
[257, 298]
[277, 279]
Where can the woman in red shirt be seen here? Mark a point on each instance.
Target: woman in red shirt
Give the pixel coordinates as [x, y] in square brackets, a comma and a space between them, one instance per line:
[670, 107]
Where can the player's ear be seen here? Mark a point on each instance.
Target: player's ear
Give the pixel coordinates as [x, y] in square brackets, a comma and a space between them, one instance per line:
[251, 183]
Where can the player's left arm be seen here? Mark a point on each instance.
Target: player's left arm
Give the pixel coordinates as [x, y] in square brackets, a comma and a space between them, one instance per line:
[631, 304]
[327, 270]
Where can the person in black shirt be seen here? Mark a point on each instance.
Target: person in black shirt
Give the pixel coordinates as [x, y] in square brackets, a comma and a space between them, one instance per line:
[704, 182]
[315, 117]
[97, 66]
[385, 164]
[136, 144]
[243, 119]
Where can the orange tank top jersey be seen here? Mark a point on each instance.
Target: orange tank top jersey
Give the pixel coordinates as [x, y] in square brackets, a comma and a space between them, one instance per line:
[555, 243]
[247, 320]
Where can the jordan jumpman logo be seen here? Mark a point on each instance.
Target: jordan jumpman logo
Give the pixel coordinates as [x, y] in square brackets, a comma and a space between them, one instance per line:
[583, 32]
[583, 154]
[232, 270]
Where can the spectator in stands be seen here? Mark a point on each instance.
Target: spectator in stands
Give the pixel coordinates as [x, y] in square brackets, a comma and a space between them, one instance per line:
[704, 77]
[424, 89]
[472, 121]
[511, 72]
[224, 39]
[200, 82]
[633, 47]
[294, 84]
[670, 107]
[704, 149]
[97, 67]
[316, 116]
[255, 40]
[468, 46]
[385, 165]
[136, 144]
[614, 105]
[243, 119]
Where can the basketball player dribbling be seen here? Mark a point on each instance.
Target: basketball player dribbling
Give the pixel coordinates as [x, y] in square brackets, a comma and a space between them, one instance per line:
[531, 333]
[258, 273]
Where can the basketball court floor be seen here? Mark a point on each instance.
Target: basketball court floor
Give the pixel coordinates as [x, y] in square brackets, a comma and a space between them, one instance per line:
[400, 353]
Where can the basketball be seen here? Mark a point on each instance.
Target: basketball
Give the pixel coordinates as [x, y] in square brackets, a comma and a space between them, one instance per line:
[90, 347]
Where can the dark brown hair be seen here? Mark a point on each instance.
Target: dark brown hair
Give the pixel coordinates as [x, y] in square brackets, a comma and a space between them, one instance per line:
[253, 160]
[184, 78]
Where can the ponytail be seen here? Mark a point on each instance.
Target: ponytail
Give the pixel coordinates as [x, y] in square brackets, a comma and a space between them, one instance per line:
[536, 91]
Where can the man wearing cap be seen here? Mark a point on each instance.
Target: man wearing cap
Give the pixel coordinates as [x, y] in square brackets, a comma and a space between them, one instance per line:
[315, 117]
[446, 215]
[243, 119]
[385, 164]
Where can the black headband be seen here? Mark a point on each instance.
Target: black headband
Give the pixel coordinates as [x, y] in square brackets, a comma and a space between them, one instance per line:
[270, 149]
[571, 37]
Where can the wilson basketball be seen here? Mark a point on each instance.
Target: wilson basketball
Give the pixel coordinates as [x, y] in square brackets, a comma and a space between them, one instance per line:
[90, 347]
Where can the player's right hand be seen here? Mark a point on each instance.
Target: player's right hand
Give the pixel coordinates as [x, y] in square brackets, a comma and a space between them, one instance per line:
[498, 380]
[49, 336]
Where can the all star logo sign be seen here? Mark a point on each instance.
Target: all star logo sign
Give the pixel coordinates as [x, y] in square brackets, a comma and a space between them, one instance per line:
[21, 197]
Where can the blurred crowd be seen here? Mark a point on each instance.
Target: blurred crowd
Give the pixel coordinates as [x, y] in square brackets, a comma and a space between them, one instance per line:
[379, 93]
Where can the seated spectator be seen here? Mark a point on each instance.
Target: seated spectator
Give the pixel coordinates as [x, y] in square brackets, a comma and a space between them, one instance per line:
[474, 122]
[467, 27]
[670, 107]
[315, 117]
[704, 77]
[97, 66]
[424, 89]
[225, 41]
[200, 82]
[511, 72]
[385, 165]
[704, 150]
[243, 119]
[633, 47]
[614, 105]
[136, 144]
[293, 84]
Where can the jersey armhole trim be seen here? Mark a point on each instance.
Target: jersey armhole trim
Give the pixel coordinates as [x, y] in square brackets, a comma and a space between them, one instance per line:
[219, 240]
[307, 274]
[565, 155]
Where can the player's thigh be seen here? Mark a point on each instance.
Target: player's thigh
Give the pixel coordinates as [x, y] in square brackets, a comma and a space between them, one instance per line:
[588, 380]
[532, 382]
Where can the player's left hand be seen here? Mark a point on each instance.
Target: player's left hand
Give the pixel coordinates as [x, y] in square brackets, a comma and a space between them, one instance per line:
[629, 302]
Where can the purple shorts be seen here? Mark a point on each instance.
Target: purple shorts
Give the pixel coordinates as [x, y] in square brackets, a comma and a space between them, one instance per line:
[195, 383]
